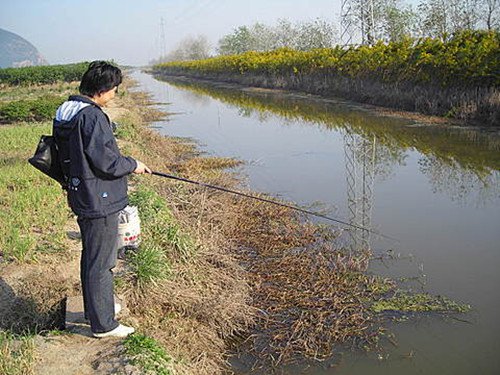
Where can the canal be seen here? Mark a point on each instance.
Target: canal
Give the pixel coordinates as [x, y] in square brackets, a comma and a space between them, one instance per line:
[436, 188]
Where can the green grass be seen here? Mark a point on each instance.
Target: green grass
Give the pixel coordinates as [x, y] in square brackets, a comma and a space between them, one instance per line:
[17, 354]
[159, 223]
[146, 353]
[11, 93]
[161, 235]
[127, 130]
[149, 263]
[32, 207]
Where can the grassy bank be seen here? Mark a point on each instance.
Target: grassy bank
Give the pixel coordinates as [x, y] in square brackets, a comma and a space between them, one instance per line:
[457, 78]
[33, 245]
[214, 275]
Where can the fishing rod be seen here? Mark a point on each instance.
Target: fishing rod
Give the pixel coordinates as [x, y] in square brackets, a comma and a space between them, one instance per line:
[269, 201]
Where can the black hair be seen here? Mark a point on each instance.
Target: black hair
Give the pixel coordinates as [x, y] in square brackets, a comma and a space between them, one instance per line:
[100, 77]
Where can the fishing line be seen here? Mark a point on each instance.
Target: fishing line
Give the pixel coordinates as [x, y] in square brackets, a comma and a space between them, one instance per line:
[220, 188]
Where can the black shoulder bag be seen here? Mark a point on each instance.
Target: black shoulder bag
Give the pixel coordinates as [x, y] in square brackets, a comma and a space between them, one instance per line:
[46, 159]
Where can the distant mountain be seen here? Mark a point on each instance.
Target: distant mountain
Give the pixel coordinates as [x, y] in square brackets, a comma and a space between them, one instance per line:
[16, 51]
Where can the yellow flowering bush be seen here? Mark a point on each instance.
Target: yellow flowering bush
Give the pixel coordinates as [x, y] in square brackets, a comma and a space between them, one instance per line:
[469, 58]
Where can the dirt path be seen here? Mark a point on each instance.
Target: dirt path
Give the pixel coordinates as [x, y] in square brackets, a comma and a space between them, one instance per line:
[78, 354]
[73, 351]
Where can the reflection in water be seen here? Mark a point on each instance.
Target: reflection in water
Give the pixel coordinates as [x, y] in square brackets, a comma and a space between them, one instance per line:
[452, 155]
[195, 98]
[460, 184]
[360, 173]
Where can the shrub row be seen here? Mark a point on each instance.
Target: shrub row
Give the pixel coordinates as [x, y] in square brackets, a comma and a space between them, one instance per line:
[42, 74]
[39, 109]
[470, 58]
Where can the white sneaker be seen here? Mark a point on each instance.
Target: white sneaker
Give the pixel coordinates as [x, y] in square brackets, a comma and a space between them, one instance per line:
[120, 331]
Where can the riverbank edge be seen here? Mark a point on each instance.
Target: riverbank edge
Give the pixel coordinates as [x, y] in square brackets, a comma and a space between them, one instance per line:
[477, 106]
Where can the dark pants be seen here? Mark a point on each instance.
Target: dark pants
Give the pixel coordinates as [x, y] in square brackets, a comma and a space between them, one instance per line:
[99, 238]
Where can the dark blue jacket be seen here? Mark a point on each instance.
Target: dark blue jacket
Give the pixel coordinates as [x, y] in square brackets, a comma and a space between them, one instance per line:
[96, 171]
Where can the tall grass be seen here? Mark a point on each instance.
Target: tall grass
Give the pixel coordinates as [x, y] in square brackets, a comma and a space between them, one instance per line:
[161, 235]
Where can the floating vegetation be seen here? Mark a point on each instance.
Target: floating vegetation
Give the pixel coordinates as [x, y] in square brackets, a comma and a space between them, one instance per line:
[312, 297]
[420, 302]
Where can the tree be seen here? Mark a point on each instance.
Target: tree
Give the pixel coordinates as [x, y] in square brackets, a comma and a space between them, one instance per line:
[464, 14]
[490, 14]
[433, 18]
[190, 48]
[259, 37]
[238, 42]
[398, 21]
[263, 37]
[316, 34]
[441, 18]
[285, 34]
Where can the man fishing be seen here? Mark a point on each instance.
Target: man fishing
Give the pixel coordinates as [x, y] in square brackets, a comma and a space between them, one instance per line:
[96, 176]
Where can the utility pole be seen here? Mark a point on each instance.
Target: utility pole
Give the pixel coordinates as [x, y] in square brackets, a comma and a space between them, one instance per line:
[163, 42]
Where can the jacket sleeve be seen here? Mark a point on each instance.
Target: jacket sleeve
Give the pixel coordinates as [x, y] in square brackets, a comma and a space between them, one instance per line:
[101, 150]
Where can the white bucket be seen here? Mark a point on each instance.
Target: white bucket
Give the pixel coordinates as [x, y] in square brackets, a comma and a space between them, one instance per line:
[129, 228]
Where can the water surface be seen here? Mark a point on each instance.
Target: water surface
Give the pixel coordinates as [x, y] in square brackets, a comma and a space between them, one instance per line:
[435, 188]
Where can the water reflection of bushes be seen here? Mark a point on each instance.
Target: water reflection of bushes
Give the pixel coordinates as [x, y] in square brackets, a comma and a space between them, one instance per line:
[448, 148]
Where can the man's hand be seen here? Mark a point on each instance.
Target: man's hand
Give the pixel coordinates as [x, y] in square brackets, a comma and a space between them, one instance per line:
[141, 168]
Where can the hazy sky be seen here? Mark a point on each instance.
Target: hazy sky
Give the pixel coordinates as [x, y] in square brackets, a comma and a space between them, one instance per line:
[128, 31]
